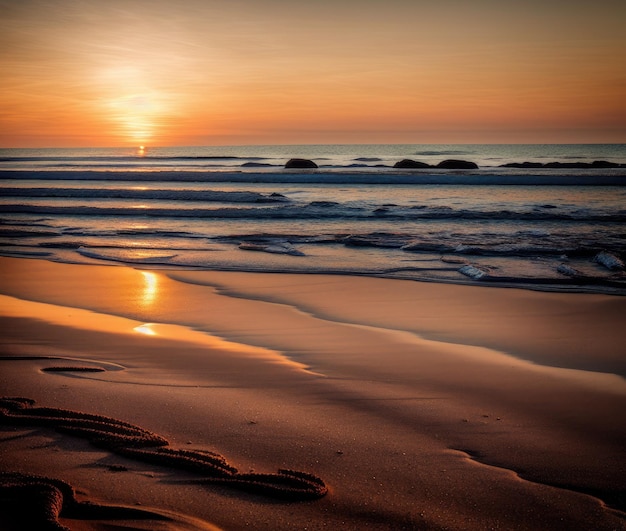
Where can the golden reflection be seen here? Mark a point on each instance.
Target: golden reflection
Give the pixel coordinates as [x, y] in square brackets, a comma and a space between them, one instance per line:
[150, 288]
[145, 329]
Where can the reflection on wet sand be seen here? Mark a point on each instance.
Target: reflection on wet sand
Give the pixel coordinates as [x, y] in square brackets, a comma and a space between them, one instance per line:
[150, 288]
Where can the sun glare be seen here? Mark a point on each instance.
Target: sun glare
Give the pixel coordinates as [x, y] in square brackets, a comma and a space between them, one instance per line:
[135, 105]
[150, 288]
[145, 329]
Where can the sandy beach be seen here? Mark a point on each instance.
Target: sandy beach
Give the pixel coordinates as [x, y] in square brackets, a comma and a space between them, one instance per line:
[171, 399]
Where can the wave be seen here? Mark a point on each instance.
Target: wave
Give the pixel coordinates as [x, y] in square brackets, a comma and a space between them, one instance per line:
[319, 210]
[322, 222]
[524, 258]
[141, 256]
[244, 213]
[516, 244]
[606, 250]
[176, 195]
[498, 177]
[549, 272]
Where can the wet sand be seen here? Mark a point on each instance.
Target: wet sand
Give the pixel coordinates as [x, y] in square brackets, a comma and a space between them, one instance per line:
[392, 404]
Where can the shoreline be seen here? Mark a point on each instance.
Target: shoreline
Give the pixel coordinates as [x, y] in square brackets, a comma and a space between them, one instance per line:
[419, 405]
[567, 285]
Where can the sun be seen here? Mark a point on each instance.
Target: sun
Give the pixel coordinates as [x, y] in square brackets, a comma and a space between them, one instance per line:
[135, 117]
[134, 104]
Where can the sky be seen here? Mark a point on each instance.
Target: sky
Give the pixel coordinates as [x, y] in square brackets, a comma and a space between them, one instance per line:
[236, 72]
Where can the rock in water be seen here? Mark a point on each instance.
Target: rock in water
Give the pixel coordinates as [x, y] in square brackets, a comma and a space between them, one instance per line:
[300, 163]
[522, 165]
[568, 271]
[452, 164]
[604, 164]
[473, 272]
[610, 261]
[411, 164]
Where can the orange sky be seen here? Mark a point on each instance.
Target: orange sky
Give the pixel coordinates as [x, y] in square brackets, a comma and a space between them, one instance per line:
[202, 72]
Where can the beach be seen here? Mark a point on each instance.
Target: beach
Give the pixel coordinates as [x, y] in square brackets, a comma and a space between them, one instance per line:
[397, 404]
[296, 266]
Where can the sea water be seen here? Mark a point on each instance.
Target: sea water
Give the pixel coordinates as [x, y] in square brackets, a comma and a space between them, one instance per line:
[237, 208]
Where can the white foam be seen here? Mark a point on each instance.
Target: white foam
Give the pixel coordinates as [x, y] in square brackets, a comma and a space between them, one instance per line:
[273, 248]
[141, 256]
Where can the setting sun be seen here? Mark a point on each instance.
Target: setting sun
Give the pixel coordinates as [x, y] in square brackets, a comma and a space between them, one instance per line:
[129, 73]
[135, 117]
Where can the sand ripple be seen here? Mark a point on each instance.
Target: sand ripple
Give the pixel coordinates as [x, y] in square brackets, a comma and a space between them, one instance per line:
[138, 443]
[37, 502]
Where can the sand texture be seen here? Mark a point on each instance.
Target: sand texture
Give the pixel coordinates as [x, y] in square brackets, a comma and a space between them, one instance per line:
[218, 400]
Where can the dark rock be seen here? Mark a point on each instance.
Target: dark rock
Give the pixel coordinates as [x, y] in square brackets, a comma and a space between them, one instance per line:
[568, 271]
[567, 165]
[411, 164]
[522, 165]
[582, 165]
[610, 261]
[300, 163]
[473, 272]
[452, 164]
[256, 165]
[604, 164]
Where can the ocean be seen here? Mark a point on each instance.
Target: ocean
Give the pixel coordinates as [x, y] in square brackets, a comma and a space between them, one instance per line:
[539, 226]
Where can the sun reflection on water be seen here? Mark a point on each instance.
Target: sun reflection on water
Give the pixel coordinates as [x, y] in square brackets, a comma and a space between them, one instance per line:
[150, 288]
[145, 329]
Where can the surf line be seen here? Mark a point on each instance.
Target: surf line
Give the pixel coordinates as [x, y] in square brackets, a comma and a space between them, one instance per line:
[134, 442]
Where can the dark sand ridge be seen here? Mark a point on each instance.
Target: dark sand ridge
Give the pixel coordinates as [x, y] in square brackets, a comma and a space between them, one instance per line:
[40, 503]
[137, 443]
[391, 427]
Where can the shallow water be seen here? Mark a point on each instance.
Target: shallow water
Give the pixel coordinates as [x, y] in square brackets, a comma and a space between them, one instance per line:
[206, 208]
